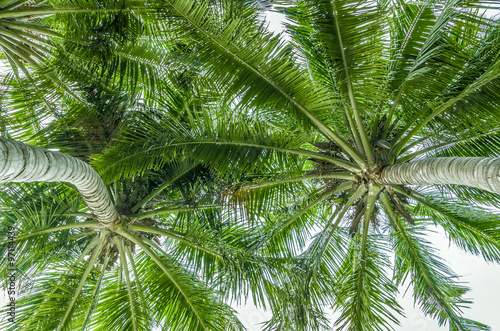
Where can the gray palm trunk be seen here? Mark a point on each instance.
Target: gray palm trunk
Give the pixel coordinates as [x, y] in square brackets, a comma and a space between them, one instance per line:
[479, 172]
[24, 163]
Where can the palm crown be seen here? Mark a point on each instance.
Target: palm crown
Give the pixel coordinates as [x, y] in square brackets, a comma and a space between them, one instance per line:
[70, 262]
[366, 98]
[339, 147]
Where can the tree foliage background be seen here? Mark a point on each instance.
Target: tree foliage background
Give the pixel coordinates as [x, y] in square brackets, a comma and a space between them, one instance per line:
[244, 165]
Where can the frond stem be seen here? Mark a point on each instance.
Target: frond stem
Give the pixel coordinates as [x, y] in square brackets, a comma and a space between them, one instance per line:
[161, 188]
[361, 128]
[337, 175]
[346, 114]
[370, 204]
[83, 279]
[119, 244]
[173, 235]
[168, 210]
[136, 277]
[341, 163]
[95, 293]
[52, 11]
[89, 224]
[132, 237]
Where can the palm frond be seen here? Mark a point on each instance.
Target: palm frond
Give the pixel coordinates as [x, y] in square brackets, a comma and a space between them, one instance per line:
[195, 308]
[434, 285]
[225, 144]
[365, 307]
[473, 229]
[58, 292]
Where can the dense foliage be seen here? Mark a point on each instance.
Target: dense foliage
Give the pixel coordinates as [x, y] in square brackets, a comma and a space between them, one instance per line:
[249, 164]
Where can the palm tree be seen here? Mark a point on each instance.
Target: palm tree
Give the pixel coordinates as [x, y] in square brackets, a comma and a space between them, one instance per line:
[132, 253]
[377, 120]
[138, 254]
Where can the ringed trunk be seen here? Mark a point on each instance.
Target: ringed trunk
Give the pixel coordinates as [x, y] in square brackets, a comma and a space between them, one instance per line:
[24, 163]
[479, 172]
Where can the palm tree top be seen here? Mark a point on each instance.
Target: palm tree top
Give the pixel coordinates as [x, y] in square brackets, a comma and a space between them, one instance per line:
[338, 148]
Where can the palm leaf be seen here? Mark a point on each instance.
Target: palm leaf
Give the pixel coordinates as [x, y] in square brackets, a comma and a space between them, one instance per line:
[434, 285]
[196, 308]
[472, 229]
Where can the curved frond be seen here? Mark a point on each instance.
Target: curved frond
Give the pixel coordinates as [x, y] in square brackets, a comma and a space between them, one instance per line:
[365, 307]
[196, 307]
[473, 229]
[434, 286]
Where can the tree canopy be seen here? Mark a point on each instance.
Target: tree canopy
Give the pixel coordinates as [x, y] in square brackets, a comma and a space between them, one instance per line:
[301, 172]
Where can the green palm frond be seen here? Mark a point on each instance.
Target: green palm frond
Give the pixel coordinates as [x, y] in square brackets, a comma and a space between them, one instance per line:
[469, 143]
[227, 257]
[285, 234]
[458, 83]
[471, 228]
[292, 310]
[57, 293]
[120, 305]
[364, 289]
[466, 194]
[222, 143]
[30, 31]
[172, 173]
[342, 66]
[195, 309]
[265, 66]
[480, 72]
[434, 284]
[33, 208]
[298, 303]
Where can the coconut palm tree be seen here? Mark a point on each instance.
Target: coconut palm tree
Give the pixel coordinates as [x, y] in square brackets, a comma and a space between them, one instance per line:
[344, 145]
[130, 253]
[141, 253]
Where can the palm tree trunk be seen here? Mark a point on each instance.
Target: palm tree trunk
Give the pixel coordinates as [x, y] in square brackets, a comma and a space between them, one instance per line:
[479, 172]
[24, 163]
